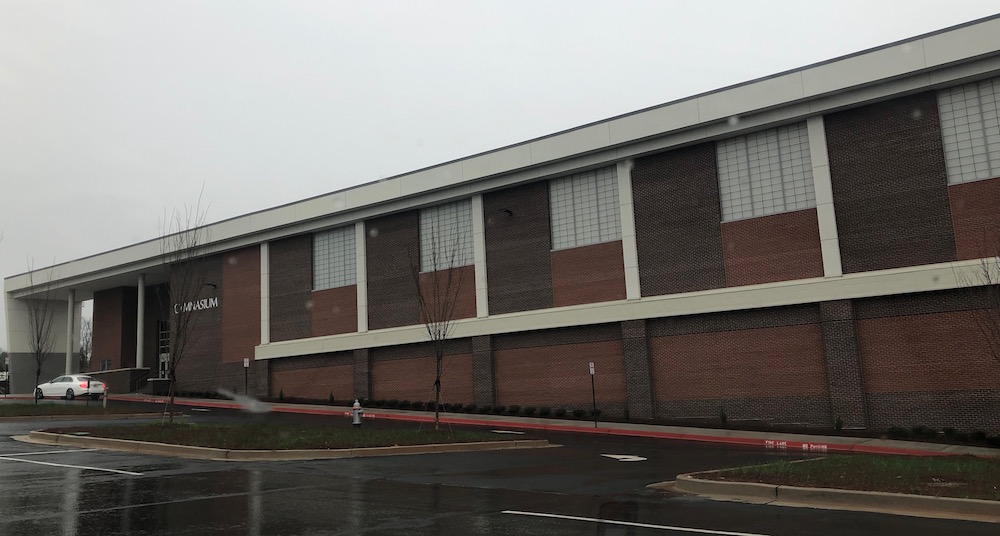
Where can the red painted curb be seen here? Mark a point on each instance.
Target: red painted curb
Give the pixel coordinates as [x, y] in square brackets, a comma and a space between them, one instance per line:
[769, 444]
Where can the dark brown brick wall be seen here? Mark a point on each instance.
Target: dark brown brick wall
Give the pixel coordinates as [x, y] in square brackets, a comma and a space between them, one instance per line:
[482, 371]
[199, 364]
[290, 286]
[457, 290]
[110, 336]
[780, 247]
[976, 218]
[392, 252]
[362, 373]
[588, 274]
[518, 248]
[335, 311]
[315, 377]
[890, 185]
[638, 370]
[843, 364]
[677, 221]
[240, 304]
[408, 372]
[551, 368]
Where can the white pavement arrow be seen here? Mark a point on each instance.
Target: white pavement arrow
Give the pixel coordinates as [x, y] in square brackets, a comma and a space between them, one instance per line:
[625, 457]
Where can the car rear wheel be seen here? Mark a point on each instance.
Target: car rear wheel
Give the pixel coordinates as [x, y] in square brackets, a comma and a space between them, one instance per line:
[38, 394]
[70, 395]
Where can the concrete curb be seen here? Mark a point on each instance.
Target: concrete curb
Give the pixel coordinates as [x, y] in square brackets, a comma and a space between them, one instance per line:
[766, 440]
[206, 453]
[98, 417]
[838, 499]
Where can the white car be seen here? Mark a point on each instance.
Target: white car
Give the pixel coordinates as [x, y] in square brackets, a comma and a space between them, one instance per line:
[70, 387]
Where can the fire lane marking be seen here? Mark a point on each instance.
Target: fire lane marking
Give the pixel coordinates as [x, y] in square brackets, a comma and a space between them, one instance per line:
[625, 457]
[507, 432]
[634, 524]
[70, 466]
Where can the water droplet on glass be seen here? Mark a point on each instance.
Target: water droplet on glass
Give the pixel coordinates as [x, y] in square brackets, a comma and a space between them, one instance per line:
[232, 261]
[733, 121]
[373, 232]
[906, 49]
[916, 114]
[338, 203]
[309, 305]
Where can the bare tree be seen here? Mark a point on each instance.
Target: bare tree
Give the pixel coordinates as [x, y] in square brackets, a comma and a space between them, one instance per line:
[987, 318]
[86, 342]
[438, 294]
[40, 319]
[182, 243]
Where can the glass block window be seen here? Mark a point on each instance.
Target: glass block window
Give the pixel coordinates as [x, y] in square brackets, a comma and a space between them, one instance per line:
[970, 129]
[446, 236]
[334, 263]
[584, 208]
[765, 173]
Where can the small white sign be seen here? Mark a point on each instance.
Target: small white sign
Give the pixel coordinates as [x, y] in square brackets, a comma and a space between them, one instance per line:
[591, 368]
[246, 362]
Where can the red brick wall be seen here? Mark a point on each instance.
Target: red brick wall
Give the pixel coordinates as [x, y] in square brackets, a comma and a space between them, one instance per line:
[773, 248]
[559, 375]
[976, 218]
[413, 379]
[107, 342]
[335, 311]
[462, 291]
[753, 363]
[240, 304]
[588, 274]
[314, 377]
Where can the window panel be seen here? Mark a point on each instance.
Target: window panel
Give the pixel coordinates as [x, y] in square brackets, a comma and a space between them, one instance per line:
[334, 255]
[584, 208]
[446, 236]
[969, 130]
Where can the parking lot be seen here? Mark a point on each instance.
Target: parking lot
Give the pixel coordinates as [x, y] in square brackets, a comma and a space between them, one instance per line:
[568, 489]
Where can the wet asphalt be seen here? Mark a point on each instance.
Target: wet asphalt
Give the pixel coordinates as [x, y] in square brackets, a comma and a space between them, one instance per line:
[57, 490]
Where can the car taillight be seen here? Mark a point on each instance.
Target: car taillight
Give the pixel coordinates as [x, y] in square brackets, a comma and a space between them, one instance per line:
[84, 385]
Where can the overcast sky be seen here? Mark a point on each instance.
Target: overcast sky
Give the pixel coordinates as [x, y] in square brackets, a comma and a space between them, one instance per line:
[112, 112]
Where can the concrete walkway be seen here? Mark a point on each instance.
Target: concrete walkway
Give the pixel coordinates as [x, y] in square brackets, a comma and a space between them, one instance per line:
[767, 440]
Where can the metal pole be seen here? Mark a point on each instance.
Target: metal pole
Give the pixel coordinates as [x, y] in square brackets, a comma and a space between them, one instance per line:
[593, 394]
[246, 373]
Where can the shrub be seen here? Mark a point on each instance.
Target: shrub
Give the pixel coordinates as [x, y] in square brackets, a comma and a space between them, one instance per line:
[486, 409]
[497, 410]
[839, 425]
[529, 411]
[514, 410]
[331, 399]
[930, 433]
[392, 403]
[281, 394]
[469, 408]
[978, 436]
[579, 413]
[897, 432]
[918, 430]
[545, 412]
[993, 441]
[722, 416]
[430, 406]
[594, 413]
[561, 412]
[948, 432]
[417, 405]
[962, 437]
[404, 404]
[447, 406]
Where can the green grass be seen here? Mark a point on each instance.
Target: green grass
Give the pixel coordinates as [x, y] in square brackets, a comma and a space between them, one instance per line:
[282, 436]
[948, 476]
[38, 410]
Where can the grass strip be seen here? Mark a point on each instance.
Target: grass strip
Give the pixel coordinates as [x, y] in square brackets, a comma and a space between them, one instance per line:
[44, 409]
[948, 476]
[281, 436]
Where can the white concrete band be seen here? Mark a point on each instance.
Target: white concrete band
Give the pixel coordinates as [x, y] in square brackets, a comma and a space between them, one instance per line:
[265, 293]
[361, 274]
[479, 256]
[630, 252]
[70, 307]
[829, 241]
[140, 319]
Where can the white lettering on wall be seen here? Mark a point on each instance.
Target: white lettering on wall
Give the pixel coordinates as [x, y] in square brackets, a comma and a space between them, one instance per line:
[197, 305]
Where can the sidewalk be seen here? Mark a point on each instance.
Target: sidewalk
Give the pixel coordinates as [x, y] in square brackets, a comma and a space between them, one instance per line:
[767, 440]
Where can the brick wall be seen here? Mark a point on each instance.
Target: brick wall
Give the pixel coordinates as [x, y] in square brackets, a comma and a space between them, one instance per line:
[408, 372]
[890, 185]
[518, 246]
[843, 364]
[240, 304]
[455, 289]
[199, 363]
[677, 221]
[314, 377]
[976, 219]
[290, 286]
[335, 311]
[108, 332]
[925, 362]
[551, 368]
[780, 247]
[392, 253]
[588, 274]
[762, 365]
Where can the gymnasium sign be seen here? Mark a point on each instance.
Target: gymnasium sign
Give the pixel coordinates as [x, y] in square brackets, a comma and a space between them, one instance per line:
[196, 305]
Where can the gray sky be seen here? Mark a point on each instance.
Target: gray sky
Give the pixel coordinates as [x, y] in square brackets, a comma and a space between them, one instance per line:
[112, 112]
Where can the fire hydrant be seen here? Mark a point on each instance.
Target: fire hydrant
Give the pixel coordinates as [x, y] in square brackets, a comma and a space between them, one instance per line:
[356, 413]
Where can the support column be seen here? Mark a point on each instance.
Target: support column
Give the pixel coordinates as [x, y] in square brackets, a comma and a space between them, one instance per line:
[843, 364]
[479, 256]
[638, 375]
[70, 310]
[484, 393]
[361, 274]
[827, 219]
[362, 374]
[630, 251]
[140, 321]
[265, 293]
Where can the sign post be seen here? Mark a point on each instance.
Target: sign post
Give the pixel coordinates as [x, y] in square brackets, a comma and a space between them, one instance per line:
[593, 392]
[246, 372]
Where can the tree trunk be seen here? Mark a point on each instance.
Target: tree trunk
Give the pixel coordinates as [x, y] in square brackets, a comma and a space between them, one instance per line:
[437, 390]
[170, 402]
[38, 374]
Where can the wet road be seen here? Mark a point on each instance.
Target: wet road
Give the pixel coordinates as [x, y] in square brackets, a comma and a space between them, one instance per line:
[51, 490]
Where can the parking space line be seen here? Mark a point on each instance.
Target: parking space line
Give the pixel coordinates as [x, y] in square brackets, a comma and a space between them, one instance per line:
[47, 452]
[71, 466]
[633, 524]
